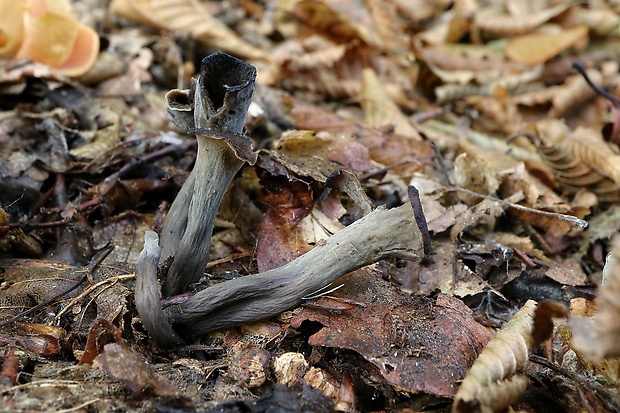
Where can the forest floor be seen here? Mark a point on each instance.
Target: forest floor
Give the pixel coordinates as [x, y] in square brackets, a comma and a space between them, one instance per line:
[504, 116]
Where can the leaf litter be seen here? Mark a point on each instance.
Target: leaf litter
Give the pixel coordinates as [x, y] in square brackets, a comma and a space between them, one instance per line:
[511, 146]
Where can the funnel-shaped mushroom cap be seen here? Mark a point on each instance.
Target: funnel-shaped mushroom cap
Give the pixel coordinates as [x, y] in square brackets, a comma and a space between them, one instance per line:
[216, 106]
[225, 90]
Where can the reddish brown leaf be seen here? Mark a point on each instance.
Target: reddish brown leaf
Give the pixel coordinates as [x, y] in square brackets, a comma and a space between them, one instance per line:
[406, 337]
[102, 332]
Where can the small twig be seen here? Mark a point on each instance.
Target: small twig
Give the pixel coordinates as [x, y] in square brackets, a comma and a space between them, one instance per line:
[573, 220]
[87, 291]
[87, 273]
[230, 258]
[43, 383]
[26, 226]
[78, 407]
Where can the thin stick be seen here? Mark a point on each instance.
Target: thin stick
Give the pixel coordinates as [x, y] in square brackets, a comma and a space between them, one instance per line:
[573, 220]
[90, 289]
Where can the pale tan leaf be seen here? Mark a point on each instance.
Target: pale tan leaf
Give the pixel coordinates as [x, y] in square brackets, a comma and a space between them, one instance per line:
[474, 173]
[492, 381]
[339, 25]
[483, 213]
[573, 93]
[385, 17]
[380, 110]
[598, 337]
[494, 21]
[536, 48]
[11, 25]
[580, 159]
[600, 22]
[188, 16]
[418, 10]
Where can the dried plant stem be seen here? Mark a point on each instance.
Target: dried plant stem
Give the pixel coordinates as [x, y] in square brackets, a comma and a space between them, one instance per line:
[380, 234]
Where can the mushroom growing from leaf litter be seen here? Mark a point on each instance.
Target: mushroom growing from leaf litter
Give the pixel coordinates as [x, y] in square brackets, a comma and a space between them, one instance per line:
[214, 110]
[215, 116]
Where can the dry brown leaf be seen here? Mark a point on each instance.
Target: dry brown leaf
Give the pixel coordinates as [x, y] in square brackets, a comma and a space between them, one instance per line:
[380, 110]
[188, 16]
[320, 154]
[498, 113]
[601, 22]
[459, 57]
[573, 94]
[405, 336]
[524, 244]
[580, 159]
[124, 364]
[483, 213]
[496, 22]
[598, 337]
[475, 174]
[493, 383]
[536, 48]
[334, 20]
[325, 58]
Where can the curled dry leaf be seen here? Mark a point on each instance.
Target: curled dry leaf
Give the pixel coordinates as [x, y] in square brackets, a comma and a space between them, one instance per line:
[495, 21]
[545, 312]
[188, 16]
[341, 393]
[325, 17]
[491, 383]
[573, 94]
[598, 337]
[580, 159]
[289, 368]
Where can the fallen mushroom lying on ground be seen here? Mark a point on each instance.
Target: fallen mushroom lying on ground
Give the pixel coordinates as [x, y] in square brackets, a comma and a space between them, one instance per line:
[215, 110]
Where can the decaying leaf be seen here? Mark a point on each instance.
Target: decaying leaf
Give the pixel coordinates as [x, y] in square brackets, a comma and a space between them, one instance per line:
[127, 366]
[405, 345]
[328, 19]
[494, 380]
[31, 282]
[598, 337]
[319, 155]
[538, 48]
[497, 22]
[249, 365]
[476, 175]
[580, 159]
[188, 16]
[380, 110]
